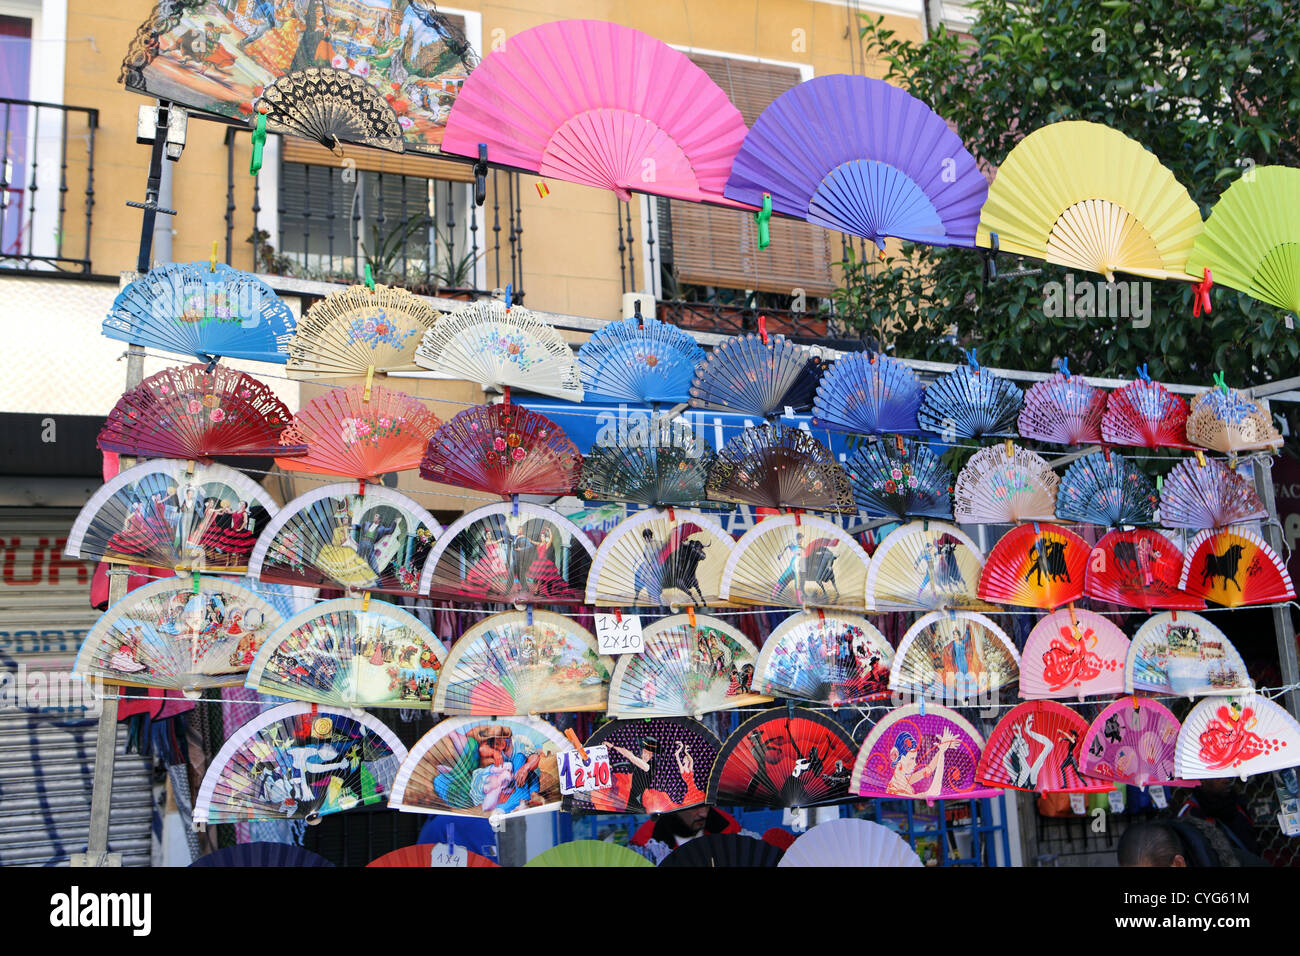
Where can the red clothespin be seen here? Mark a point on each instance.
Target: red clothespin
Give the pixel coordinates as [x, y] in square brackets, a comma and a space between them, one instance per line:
[618, 615]
[798, 520]
[361, 487]
[573, 739]
[672, 515]
[821, 618]
[1105, 451]
[762, 328]
[1201, 294]
[505, 391]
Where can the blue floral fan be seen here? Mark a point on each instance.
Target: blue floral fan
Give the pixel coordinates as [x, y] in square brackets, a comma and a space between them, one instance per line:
[207, 312]
[899, 479]
[639, 360]
[756, 375]
[970, 402]
[868, 395]
[653, 475]
[1107, 491]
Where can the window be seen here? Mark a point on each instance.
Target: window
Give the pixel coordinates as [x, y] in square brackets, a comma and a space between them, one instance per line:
[15, 84]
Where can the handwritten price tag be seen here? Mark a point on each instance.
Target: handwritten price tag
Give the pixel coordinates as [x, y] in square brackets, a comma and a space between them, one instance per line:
[1116, 798]
[1158, 797]
[1077, 804]
[443, 855]
[619, 635]
[578, 776]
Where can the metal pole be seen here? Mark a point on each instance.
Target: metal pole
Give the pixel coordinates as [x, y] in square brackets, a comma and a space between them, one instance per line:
[1283, 626]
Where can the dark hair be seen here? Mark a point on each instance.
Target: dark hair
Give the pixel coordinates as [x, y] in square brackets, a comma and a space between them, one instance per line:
[1150, 843]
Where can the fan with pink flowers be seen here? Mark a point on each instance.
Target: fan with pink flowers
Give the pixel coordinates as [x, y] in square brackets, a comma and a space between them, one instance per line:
[504, 450]
[1064, 410]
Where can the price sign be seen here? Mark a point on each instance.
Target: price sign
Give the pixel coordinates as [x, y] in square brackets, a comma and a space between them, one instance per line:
[1289, 823]
[579, 776]
[1116, 798]
[1158, 797]
[1078, 804]
[441, 854]
[619, 635]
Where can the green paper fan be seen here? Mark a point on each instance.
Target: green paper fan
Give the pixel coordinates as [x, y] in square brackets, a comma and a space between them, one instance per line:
[589, 853]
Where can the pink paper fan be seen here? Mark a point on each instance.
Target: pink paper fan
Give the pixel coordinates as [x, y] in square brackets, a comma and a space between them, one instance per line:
[1073, 654]
[1133, 741]
[1064, 410]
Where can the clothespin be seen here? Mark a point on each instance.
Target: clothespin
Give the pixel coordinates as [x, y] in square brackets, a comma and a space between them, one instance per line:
[618, 615]
[762, 328]
[529, 612]
[259, 141]
[1200, 458]
[510, 295]
[1201, 294]
[543, 190]
[505, 395]
[480, 176]
[1160, 483]
[212, 260]
[361, 487]
[1220, 381]
[370, 278]
[762, 218]
[1173, 616]
[898, 441]
[690, 615]
[1105, 451]
[821, 619]
[195, 582]
[365, 601]
[991, 259]
[1065, 367]
[573, 739]
[189, 468]
[1143, 375]
[514, 506]
[672, 515]
[1074, 621]
[972, 361]
[798, 520]
[370, 378]
[636, 314]
[1010, 447]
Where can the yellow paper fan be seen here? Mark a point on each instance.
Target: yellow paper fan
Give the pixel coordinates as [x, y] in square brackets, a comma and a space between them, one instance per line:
[1086, 196]
[796, 561]
[354, 330]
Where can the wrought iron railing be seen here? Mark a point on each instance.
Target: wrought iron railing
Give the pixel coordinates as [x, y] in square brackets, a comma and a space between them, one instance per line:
[725, 318]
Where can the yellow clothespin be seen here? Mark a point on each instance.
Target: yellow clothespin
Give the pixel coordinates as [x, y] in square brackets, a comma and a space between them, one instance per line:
[370, 379]
[189, 468]
[365, 601]
[1010, 447]
[1200, 458]
[212, 267]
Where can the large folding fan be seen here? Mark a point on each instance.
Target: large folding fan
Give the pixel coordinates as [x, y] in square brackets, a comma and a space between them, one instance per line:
[954, 656]
[1226, 420]
[511, 554]
[796, 561]
[1005, 485]
[193, 413]
[1105, 489]
[925, 565]
[658, 765]
[690, 666]
[834, 659]
[262, 855]
[350, 653]
[1073, 653]
[173, 514]
[1139, 568]
[900, 478]
[1085, 196]
[481, 767]
[756, 374]
[1251, 241]
[1145, 414]
[349, 538]
[623, 111]
[1235, 566]
[639, 360]
[850, 841]
[970, 402]
[1185, 654]
[858, 155]
[1133, 742]
[504, 450]
[1038, 746]
[659, 559]
[1208, 494]
[1237, 737]
[181, 634]
[788, 757]
[919, 753]
[521, 662]
[1063, 410]
[775, 466]
[360, 331]
[299, 762]
[500, 346]
[648, 474]
[1035, 565]
[589, 853]
[712, 850]
[868, 395]
[423, 855]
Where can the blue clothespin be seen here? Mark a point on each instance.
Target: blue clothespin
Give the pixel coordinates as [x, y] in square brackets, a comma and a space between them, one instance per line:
[972, 361]
[1065, 367]
[530, 615]
[510, 293]
[1142, 373]
[514, 506]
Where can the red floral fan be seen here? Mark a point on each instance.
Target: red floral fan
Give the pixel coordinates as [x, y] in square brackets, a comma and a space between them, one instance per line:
[1235, 567]
[1140, 569]
[191, 413]
[778, 467]
[784, 758]
[1035, 565]
[359, 432]
[1064, 410]
[1145, 414]
[1205, 493]
[1038, 746]
[1073, 653]
[503, 450]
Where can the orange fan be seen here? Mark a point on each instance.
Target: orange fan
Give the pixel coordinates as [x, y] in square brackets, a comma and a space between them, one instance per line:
[1038, 746]
[1035, 565]
[1233, 567]
[360, 432]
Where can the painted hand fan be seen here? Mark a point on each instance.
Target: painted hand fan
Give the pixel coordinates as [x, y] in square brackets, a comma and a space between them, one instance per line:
[173, 514]
[1107, 490]
[858, 155]
[660, 559]
[423, 855]
[724, 849]
[262, 854]
[357, 330]
[900, 479]
[639, 360]
[192, 309]
[524, 663]
[659, 765]
[191, 413]
[333, 537]
[796, 561]
[1140, 569]
[1064, 410]
[849, 841]
[330, 106]
[623, 112]
[774, 466]
[925, 565]
[1145, 414]
[509, 554]
[1000, 488]
[1237, 736]
[1133, 741]
[919, 753]
[299, 762]
[182, 634]
[688, 668]
[1035, 565]
[1251, 242]
[500, 346]
[1230, 422]
[788, 757]
[753, 375]
[353, 436]
[954, 656]
[481, 767]
[1233, 567]
[589, 853]
[833, 659]
[1209, 495]
[1073, 654]
[869, 396]
[503, 450]
[1183, 653]
[1085, 196]
[350, 653]
[970, 402]
[650, 474]
[1037, 746]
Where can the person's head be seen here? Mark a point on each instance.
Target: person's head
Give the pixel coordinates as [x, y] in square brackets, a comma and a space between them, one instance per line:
[1151, 843]
[903, 753]
[689, 822]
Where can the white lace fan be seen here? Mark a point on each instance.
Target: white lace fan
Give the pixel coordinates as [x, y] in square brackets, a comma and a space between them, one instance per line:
[1005, 484]
[501, 347]
[357, 329]
[849, 841]
[1236, 737]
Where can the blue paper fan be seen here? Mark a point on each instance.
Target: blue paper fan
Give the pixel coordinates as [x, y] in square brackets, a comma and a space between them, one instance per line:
[875, 200]
[1105, 491]
[639, 360]
[899, 479]
[196, 310]
[869, 396]
[755, 375]
[653, 475]
[970, 402]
